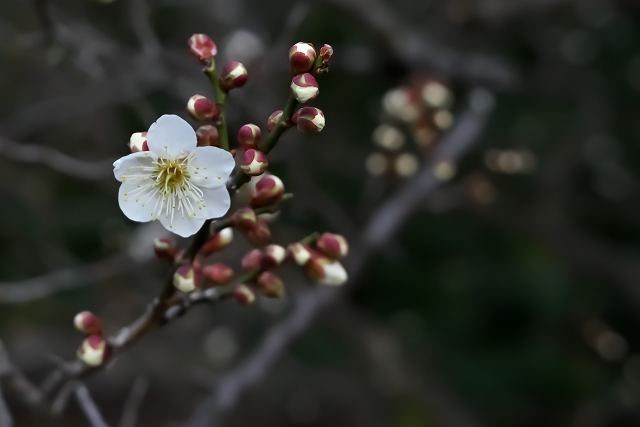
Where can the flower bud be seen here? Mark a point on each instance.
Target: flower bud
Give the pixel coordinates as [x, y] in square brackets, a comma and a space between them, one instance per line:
[94, 350]
[249, 136]
[208, 136]
[202, 47]
[217, 273]
[138, 142]
[332, 245]
[260, 234]
[254, 162]
[244, 218]
[233, 75]
[326, 52]
[218, 241]
[309, 119]
[326, 271]
[270, 284]
[87, 322]
[244, 295]
[301, 57]
[274, 119]
[304, 87]
[186, 278]
[268, 190]
[252, 260]
[299, 252]
[274, 255]
[165, 248]
[202, 108]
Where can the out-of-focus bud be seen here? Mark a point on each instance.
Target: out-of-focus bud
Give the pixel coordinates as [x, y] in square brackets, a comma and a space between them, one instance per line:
[138, 142]
[233, 75]
[254, 162]
[300, 253]
[268, 190]
[274, 119]
[260, 234]
[332, 245]
[326, 271]
[252, 260]
[244, 218]
[249, 136]
[202, 47]
[87, 322]
[270, 284]
[304, 87]
[202, 108]
[208, 136]
[218, 241]
[309, 119]
[324, 58]
[165, 248]
[186, 278]
[301, 57]
[94, 350]
[274, 255]
[244, 295]
[217, 273]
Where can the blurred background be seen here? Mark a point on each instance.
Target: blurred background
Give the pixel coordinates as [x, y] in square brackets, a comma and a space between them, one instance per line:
[480, 155]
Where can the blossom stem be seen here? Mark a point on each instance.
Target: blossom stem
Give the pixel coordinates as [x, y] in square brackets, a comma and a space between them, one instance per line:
[220, 96]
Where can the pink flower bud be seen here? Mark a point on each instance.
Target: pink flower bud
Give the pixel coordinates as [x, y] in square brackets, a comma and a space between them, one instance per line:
[274, 255]
[208, 136]
[202, 47]
[218, 241]
[233, 75]
[244, 295]
[274, 119]
[326, 52]
[326, 271]
[254, 162]
[309, 119]
[244, 218]
[252, 260]
[87, 322]
[268, 190]
[249, 136]
[138, 142]
[300, 253]
[260, 234]
[270, 284]
[186, 278]
[304, 87]
[202, 108]
[165, 248]
[332, 245]
[301, 57]
[217, 273]
[94, 350]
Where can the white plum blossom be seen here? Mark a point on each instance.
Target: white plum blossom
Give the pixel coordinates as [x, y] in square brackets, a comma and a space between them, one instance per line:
[175, 182]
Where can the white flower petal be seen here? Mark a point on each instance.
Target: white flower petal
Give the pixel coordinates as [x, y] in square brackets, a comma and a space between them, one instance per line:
[210, 167]
[137, 201]
[171, 137]
[182, 225]
[131, 164]
[216, 202]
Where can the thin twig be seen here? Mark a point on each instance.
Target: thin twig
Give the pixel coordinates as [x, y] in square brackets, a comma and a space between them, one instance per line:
[89, 407]
[132, 405]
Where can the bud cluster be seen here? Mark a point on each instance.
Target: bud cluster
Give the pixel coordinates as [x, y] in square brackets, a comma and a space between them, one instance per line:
[94, 349]
[321, 260]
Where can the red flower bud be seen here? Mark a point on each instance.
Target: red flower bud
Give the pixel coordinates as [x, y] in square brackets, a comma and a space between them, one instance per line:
[244, 295]
[249, 136]
[302, 57]
[244, 218]
[332, 245]
[274, 119]
[326, 271]
[186, 278]
[217, 273]
[252, 260]
[309, 119]
[274, 255]
[233, 75]
[87, 322]
[138, 142]
[304, 87]
[202, 108]
[254, 162]
[165, 248]
[270, 284]
[268, 190]
[326, 52]
[94, 350]
[260, 234]
[208, 136]
[202, 47]
[299, 252]
[218, 241]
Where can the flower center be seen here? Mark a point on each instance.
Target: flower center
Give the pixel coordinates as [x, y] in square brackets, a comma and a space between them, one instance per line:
[170, 175]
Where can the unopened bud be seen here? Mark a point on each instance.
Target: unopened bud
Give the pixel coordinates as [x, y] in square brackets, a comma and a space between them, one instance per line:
[87, 322]
[244, 295]
[218, 241]
[301, 57]
[270, 284]
[304, 87]
[332, 245]
[300, 253]
[138, 142]
[274, 255]
[202, 108]
[260, 234]
[274, 119]
[254, 162]
[268, 190]
[208, 136]
[94, 350]
[165, 248]
[233, 75]
[309, 120]
[249, 136]
[244, 218]
[326, 271]
[324, 58]
[252, 260]
[186, 278]
[217, 273]
[202, 47]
